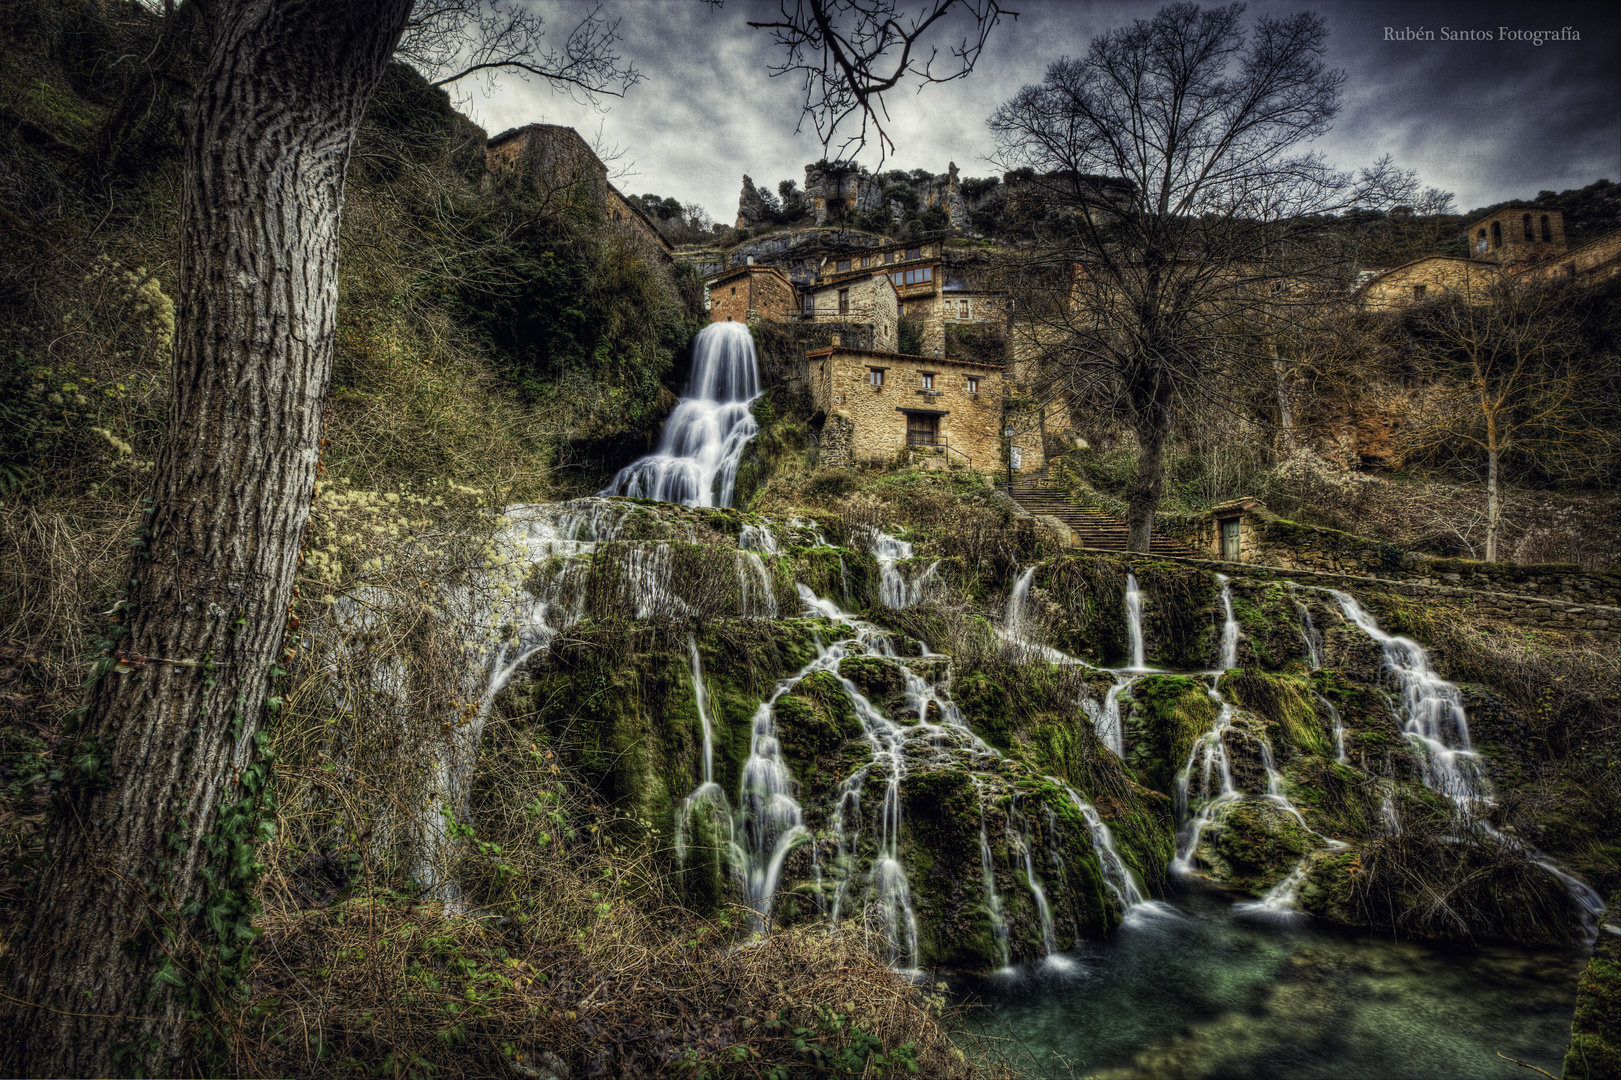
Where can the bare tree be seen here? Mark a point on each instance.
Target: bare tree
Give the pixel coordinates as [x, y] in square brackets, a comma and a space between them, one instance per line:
[1500, 382]
[851, 52]
[450, 40]
[1184, 223]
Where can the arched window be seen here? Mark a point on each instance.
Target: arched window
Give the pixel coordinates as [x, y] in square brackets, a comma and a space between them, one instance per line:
[1547, 231]
[1529, 235]
[1497, 234]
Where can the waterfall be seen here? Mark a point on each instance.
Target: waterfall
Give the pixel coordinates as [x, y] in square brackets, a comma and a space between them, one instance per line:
[1432, 714]
[894, 591]
[1106, 718]
[1432, 708]
[1134, 623]
[707, 793]
[1210, 752]
[1308, 633]
[1229, 627]
[757, 538]
[1116, 874]
[696, 462]
[1014, 618]
[993, 901]
[1018, 832]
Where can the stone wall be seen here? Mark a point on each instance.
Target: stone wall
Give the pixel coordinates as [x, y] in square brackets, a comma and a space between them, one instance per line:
[1268, 540]
[968, 420]
[1597, 260]
[1546, 614]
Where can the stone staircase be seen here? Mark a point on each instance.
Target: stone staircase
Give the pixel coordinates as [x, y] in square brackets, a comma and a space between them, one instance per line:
[1092, 526]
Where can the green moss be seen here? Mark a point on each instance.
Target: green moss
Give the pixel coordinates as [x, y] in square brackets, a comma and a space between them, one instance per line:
[1167, 714]
[1287, 705]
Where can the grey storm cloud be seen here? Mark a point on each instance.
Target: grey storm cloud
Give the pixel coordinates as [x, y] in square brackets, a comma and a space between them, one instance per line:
[1486, 120]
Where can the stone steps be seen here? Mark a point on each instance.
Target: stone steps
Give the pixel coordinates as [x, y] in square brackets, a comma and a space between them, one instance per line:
[1093, 528]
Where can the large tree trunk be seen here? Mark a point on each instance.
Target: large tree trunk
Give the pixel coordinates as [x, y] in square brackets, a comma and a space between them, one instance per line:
[143, 911]
[1494, 509]
[1151, 420]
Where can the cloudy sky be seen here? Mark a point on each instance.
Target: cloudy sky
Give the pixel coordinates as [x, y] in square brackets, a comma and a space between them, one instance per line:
[1486, 120]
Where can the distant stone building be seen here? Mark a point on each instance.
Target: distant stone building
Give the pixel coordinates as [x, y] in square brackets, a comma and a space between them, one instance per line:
[1587, 264]
[860, 296]
[1431, 278]
[1518, 235]
[567, 174]
[749, 294]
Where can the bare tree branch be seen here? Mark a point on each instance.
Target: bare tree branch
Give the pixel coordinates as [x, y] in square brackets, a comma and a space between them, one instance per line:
[851, 52]
[450, 40]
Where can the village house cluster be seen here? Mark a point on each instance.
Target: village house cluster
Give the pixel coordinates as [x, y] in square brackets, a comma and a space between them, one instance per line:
[888, 379]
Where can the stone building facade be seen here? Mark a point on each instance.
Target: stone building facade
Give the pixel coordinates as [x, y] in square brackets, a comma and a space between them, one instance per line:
[750, 294]
[861, 296]
[1518, 235]
[878, 407]
[1587, 264]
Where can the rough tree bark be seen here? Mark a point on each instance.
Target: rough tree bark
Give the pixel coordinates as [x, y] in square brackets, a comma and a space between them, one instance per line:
[145, 899]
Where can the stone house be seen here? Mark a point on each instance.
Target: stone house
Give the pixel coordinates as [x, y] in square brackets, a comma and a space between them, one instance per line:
[915, 271]
[748, 294]
[1597, 260]
[1427, 279]
[877, 407]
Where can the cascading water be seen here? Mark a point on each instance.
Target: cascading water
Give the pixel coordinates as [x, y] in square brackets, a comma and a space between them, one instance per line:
[1134, 624]
[1432, 711]
[696, 462]
[1018, 835]
[1106, 718]
[893, 589]
[1229, 627]
[1116, 874]
[1434, 721]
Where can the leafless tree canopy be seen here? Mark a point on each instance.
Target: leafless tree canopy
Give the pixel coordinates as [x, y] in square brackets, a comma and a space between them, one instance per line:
[449, 40]
[851, 52]
[1179, 210]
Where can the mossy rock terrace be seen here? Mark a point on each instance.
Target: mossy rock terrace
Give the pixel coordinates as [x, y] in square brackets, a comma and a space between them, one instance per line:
[995, 741]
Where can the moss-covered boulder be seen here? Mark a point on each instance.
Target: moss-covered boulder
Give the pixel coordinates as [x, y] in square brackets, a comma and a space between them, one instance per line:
[1252, 846]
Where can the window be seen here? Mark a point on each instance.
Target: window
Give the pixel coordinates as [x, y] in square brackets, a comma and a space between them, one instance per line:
[844, 264]
[914, 253]
[875, 376]
[844, 301]
[809, 304]
[889, 256]
[916, 276]
[1526, 223]
[928, 380]
[866, 261]
[1480, 243]
[1547, 233]
[973, 384]
[1497, 234]
[734, 290]
[963, 309]
[1418, 292]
